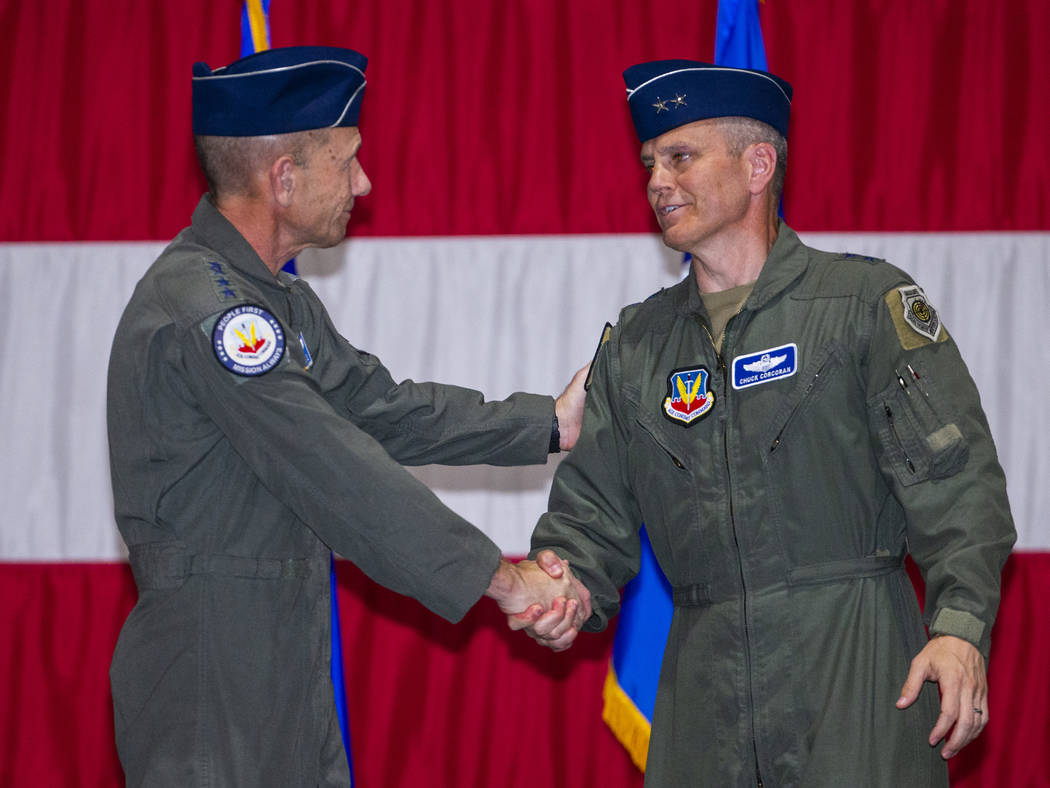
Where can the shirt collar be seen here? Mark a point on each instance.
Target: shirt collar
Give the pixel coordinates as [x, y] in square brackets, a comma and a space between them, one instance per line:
[216, 232]
[783, 265]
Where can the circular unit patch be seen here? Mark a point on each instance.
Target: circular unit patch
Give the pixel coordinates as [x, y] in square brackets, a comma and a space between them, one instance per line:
[248, 340]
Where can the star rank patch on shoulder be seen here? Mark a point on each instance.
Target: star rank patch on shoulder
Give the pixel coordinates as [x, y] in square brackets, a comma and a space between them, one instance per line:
[248, 340]
[219, 280]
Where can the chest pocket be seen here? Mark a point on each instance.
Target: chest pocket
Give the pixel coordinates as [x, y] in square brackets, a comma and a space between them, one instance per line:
[670, 473]
[818, 374]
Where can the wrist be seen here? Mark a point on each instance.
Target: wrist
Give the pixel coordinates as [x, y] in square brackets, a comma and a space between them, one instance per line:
[503, 582]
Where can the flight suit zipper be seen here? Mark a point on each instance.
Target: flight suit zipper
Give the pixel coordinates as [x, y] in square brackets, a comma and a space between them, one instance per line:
[736, 539]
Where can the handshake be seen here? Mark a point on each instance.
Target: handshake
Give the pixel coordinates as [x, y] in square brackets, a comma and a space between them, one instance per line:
[543, 597]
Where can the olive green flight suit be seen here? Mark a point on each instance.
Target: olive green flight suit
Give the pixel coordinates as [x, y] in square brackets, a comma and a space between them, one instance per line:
[231, 488]
[782, 482]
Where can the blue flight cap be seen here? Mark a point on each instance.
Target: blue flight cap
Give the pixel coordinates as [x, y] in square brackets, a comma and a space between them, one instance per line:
[278, 91]
[666, 94]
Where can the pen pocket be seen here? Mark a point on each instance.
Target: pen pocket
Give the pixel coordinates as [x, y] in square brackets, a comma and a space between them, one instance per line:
[919, 443]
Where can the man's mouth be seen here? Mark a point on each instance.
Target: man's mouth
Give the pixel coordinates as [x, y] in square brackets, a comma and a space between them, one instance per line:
[665, 212]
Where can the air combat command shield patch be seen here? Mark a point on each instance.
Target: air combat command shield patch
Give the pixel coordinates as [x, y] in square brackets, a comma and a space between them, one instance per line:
[688, 399]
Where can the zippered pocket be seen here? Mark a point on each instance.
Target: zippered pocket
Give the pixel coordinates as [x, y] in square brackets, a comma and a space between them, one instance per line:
[815, 381]
[678, 464]
[918, 442]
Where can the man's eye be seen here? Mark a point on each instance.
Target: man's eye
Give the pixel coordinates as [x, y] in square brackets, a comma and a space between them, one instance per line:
[679, 157]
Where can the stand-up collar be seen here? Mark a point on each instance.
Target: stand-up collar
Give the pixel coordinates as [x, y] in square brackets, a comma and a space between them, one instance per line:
[783, 265]
[216, 232]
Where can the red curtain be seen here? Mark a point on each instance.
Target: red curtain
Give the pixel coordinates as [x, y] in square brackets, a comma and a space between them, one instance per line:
[508, 118]
[432, 703]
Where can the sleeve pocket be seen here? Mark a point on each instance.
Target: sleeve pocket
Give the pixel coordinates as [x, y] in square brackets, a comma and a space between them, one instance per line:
[918, 444]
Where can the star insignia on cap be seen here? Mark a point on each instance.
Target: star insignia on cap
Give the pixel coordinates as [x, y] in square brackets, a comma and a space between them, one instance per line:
[678, 100]
[661, 105]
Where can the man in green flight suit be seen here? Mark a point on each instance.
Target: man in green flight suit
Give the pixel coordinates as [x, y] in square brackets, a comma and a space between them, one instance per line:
[248, 439]
[788, 424]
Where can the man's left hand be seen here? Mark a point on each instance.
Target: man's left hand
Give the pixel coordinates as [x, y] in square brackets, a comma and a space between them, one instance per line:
[557, 627]
[959, 669]
[569, 409]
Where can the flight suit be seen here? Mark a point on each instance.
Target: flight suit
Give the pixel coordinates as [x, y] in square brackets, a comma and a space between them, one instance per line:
[248, 439]
[781, 482]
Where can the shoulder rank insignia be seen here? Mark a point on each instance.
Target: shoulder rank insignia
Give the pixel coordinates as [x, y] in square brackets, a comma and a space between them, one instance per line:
[248, 340]
[222, 284]
[688, 399]
[912, 314]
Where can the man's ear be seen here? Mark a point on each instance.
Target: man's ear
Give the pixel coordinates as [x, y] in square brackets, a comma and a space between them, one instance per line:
[763, 160]
[282, 180]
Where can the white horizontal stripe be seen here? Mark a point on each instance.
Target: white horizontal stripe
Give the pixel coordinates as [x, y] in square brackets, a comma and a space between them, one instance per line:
[495, 313]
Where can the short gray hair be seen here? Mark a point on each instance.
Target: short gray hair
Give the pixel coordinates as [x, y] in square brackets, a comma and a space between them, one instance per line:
[741, 132]
[230, 164]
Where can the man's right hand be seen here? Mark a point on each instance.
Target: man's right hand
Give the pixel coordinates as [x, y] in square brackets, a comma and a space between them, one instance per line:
[556, 627]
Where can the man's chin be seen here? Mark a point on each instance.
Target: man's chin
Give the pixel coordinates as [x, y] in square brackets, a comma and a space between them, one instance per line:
[327, 243]
[672, 243]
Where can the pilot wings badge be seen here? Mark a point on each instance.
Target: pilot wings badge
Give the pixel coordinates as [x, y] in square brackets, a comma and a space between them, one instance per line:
[765, 366]
[688, 399]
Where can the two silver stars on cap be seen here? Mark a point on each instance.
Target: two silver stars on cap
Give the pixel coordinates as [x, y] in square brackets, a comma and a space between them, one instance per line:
[661, 104]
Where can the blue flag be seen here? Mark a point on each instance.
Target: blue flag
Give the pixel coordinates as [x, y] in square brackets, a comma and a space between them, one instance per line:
[738, 35]
[255, 37]
[629, 694]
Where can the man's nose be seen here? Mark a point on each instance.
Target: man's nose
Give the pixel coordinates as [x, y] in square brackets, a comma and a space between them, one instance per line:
[659, 180]
[360, 185]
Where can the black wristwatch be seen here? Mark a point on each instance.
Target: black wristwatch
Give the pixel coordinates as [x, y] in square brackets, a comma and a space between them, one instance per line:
[555, 445]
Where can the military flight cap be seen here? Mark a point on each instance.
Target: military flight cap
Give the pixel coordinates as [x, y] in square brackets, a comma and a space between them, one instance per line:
[666, 94]
[278, 91]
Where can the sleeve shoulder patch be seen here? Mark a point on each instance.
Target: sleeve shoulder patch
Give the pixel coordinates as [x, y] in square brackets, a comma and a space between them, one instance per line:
[248, 340]
[606, 331]
[915, 319]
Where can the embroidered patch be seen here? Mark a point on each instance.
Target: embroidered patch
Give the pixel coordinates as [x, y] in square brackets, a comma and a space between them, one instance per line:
[306, 351]
[915, 320]
[688, 399]
[223, 286]
[248, 340]
[918, 313]
[765, 365]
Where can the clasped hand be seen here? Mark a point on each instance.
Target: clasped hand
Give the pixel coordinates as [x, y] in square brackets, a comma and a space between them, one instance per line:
[544, 598]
